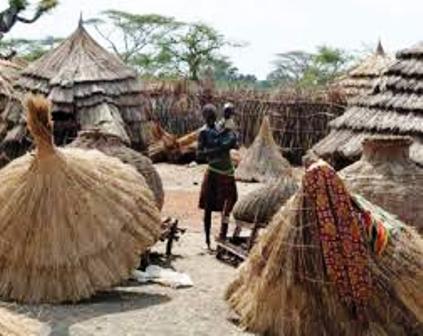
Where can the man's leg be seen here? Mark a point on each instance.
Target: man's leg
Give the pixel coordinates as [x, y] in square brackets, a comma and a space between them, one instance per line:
[207, 225]
[225, 222]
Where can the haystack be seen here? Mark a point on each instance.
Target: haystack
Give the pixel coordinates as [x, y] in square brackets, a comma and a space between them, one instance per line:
[114, 146]
[387, 177]
[260, 205]
[364, 76]
[263, 161]
[395, 107]
[331, 264]
[73, 222]
[89, 87]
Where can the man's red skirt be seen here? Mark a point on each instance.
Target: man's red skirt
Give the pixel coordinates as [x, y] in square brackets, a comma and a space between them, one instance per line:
[218, 192]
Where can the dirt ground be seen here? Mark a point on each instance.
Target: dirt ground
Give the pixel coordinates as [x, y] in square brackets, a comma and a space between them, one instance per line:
[134, 309]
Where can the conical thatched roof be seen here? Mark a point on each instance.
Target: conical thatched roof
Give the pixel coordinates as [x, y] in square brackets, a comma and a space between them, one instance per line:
[263, 161]
[260, 205]
[73, 221]
[363, 77]
[114, 146]
[387, 177]
[89, 87]
[395, 107]
[331, 263]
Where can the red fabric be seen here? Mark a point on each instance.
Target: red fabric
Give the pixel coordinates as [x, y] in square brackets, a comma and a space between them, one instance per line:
[342, 237]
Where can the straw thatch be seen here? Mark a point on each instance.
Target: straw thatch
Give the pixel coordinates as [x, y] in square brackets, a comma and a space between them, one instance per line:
[387, 177]
[283, 288]
[395, 107]
[114, 146]
[260, 205]
[263, 161]
[89, 87]
[73, 222]
[364, 76]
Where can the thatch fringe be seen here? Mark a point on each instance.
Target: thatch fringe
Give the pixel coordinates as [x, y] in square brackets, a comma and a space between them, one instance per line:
[394, 107]
[260, 205]
[283, 288]
[263, 161]
[114, 146]
[73, 222]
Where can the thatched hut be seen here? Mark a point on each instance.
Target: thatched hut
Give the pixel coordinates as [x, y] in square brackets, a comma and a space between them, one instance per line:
[260, 205]
[114, 146]
[394, 107]
[263, 160]
[361, 79]
[387, 177]
[331, 263]
[89, 87]
[73, 221]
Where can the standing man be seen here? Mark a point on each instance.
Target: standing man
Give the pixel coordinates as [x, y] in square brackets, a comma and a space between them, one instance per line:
[218, 191]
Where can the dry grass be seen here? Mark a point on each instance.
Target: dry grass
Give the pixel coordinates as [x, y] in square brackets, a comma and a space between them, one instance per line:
[263, 161]
[73, 222]
[283, 288]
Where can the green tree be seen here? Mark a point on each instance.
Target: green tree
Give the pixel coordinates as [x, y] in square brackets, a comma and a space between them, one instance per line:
[12, 15]
[133, 37]
[28, 49]
[299, 68]
[193, 47]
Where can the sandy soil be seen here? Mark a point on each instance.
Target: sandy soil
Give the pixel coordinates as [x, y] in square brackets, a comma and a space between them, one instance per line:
[135, 309]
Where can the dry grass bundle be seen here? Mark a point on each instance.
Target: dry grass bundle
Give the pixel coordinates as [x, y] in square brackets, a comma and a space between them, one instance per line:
[263, 161]
[73, 222]
[260, 205]
[387, 177]
[283, 288]
[12, 324]
[114, 146]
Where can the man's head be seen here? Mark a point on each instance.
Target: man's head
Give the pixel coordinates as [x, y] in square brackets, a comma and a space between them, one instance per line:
[228, 110]
[209, 114]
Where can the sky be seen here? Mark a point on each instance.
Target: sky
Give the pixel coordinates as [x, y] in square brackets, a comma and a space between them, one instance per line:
[267, 26]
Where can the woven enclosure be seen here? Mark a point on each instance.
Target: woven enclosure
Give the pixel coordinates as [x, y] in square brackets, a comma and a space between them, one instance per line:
[387, 177]
[73, 221]
[263, 161]
[321, 269]
[89, 87]
[260, 205]
[361, 79]
[114, 146]
[394, 107]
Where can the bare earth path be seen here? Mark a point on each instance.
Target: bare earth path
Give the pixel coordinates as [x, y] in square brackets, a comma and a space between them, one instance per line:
[133, 309]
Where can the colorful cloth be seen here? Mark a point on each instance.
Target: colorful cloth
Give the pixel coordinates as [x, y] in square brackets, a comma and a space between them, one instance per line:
[218, 192]
[342, 237]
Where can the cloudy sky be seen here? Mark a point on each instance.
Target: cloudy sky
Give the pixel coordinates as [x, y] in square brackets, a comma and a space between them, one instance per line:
[269, 26]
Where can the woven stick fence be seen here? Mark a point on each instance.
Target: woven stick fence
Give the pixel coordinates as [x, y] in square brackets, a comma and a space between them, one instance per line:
[298, 119]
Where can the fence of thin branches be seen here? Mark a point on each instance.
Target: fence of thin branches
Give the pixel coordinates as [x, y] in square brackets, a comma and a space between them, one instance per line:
[299, 119]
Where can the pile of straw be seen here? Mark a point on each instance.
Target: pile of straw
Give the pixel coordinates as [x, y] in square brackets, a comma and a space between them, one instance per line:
[263, 161]
[260, 205]
[73, 222]
[387, 177]
[284, 289]
[112, 145]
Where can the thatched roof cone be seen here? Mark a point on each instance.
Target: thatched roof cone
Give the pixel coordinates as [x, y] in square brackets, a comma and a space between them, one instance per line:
[387, 177]
[362, 78]
[89, 87]
[114, 146]
[73, 222]
[260, 205]
[263, 161]
[284, 289]
[394, 107]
